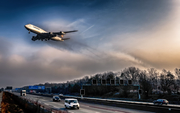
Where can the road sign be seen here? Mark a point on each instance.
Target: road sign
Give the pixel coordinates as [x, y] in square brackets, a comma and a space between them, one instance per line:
[129, 82]
[140, 91]
[112, 82]
[94, 82]
[37, 87]
[103, 81]
[121, 82]
[82, 91]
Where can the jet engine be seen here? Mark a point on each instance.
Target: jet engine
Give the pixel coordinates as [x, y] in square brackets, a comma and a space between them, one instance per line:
[56, 38]
[51, 33]
[62, 33]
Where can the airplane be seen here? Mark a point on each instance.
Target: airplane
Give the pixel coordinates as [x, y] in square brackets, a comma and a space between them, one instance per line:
[44, 35]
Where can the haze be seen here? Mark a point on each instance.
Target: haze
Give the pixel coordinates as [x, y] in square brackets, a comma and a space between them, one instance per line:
[112, 35]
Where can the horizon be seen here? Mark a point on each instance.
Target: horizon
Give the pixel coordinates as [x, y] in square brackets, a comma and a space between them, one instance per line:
[90, 76]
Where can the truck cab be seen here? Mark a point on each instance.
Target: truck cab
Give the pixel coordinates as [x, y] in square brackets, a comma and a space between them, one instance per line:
[23, 93]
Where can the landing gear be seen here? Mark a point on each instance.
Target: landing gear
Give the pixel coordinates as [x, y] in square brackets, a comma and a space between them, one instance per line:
[34, 38]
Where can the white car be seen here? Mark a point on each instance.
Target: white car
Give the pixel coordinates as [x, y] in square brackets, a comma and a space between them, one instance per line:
[71, 103]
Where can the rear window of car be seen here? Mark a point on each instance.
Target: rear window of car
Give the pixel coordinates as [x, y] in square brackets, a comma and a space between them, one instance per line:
[73, 101]
[56, 97]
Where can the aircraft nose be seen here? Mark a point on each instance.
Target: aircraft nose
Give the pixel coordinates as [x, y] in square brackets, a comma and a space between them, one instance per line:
[25, 26]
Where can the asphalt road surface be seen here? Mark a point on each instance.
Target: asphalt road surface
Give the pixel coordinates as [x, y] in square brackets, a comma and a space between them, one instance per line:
[84, 107]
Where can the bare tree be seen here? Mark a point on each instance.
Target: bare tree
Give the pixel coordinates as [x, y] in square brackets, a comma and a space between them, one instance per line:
[177, 72]
[131, 73]
[166, 81]
[153, 76]
[145, 83]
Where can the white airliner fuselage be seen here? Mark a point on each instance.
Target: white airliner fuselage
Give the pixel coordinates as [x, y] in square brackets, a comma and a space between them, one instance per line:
[44, 35]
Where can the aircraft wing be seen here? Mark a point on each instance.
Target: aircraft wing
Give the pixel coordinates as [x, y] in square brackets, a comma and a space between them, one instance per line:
[70, 31]
[64, 32]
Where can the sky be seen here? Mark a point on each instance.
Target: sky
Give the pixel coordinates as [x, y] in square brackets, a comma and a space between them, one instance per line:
[112, 35]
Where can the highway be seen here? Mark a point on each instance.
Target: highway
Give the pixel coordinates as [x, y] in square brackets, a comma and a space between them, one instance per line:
[84, 107]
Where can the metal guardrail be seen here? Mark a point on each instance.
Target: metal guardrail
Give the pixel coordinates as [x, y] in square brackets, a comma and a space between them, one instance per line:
[127, 104]
[131, 104]
[110, 100]
[113, 100]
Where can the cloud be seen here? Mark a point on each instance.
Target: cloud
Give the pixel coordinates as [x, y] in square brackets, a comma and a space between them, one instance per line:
[5, 46]
[157, 47]
[48, 64]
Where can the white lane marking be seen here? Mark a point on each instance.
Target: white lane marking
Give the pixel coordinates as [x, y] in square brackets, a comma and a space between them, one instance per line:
[46, 103]
[42, 100]
[56, 106]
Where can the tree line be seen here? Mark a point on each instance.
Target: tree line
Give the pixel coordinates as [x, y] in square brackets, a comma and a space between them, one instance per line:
[150, 81]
